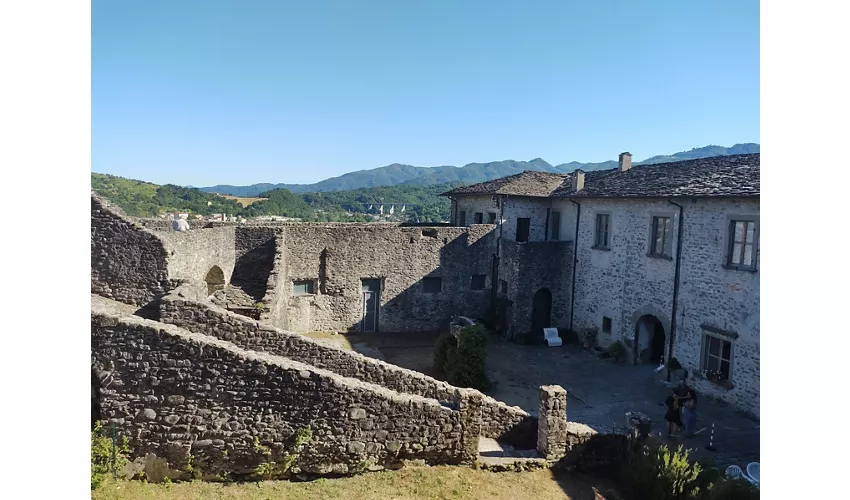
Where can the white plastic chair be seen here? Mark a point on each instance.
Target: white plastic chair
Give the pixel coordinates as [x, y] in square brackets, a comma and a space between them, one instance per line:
[754, 472]
[734, 472]
[550, 336]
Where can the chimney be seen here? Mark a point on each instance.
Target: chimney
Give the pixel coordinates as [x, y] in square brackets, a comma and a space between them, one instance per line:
[577, 181]
[625, 161]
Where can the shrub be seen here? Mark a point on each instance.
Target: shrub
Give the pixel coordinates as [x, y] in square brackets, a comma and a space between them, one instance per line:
[105, 460]
[568, 336]
[465, 364]
[660, 473]
[616, 351]
[674, 364]
[730, 489]
[446, 344]
[281, 467]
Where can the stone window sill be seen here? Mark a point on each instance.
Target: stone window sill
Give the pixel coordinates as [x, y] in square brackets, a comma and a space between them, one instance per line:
[740, 268]
[660, 256]
[597, 247]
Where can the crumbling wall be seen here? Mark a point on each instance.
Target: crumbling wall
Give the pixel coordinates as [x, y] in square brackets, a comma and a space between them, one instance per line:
[337, 257]
[128, 262]
[193, 253]
[178, 395]
[499, 421]
[255, 253]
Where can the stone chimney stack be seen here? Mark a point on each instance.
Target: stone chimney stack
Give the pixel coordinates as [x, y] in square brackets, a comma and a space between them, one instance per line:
[577, 181]
[625, 161]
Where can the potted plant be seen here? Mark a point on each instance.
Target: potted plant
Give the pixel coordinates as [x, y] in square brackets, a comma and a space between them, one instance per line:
[617, 351]
[717, 377]
[675, 368]
[588, 337]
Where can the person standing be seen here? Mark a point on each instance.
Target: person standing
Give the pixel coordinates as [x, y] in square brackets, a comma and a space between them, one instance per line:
[689, 413]
[673, 415]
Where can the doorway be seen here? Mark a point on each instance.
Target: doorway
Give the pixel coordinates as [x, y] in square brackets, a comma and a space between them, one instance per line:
[649, 340]
[541, 311]
[371, 289]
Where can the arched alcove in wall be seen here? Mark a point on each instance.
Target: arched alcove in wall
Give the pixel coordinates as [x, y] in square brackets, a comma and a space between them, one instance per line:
[215, 280]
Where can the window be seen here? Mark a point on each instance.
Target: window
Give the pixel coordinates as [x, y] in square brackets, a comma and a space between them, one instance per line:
[603, 231]
[555, 225]
[462, 219]
[717, 358]
[522, 226]
[478, 218]
[606, 325]
[662, 237]
[503, 287]
[432, 285]
[478, 281]
[492, 216]
[304, 287]
[743, 244]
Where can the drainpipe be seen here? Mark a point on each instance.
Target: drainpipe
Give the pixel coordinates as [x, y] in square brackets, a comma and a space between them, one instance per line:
[575, 263]
[675, 282]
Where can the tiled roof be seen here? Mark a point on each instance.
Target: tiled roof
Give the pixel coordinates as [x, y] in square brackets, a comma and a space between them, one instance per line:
[528, 183]
[736, 175]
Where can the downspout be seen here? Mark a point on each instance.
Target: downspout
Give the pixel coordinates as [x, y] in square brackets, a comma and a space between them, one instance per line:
[575, 263]
[675, 283]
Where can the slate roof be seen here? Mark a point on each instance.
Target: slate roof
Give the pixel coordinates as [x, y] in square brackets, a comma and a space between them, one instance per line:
[718, 176]
[528, 183]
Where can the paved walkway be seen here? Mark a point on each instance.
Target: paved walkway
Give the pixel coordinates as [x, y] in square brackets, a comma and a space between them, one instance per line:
[600, 392]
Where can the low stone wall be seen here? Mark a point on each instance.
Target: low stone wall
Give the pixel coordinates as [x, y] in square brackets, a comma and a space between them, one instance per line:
[592, 452]
[499, 421]
[203, 402]
[128, 262]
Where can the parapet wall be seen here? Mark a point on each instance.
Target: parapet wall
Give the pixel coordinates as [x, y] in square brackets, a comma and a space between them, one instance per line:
[178, 394]
[128, 263]
[499, 421]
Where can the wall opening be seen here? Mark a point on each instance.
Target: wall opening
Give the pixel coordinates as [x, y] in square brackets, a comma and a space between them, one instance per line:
[541, 311]
[215, 280]
[649, 340]
[371, 289]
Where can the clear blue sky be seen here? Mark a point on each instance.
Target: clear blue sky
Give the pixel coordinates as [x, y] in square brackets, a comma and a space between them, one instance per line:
[204, 92]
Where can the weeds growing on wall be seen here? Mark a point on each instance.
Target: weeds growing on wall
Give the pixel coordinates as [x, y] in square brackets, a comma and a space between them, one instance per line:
[280, 467]
[109, 454]
[463, 359]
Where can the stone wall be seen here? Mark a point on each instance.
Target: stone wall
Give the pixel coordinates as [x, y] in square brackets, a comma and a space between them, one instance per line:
[255, 259]
[337, 257]
[532, 266]
[178, 394]
[192, 254]
[128, 262]
[499, 421]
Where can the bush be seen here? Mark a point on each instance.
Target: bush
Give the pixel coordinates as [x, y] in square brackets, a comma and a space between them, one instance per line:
[674, 364]
[465, 363]
[102, 460]
[730, 489]
[446, 344]
[616, 351]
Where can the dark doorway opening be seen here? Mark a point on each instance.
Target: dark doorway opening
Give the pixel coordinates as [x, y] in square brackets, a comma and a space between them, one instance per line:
[215, 280]
[371, 289]
[541, 311]
[649, 340]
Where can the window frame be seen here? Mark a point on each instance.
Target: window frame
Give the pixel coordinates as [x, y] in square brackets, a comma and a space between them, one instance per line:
[667, 244]
[605, 245]
[610, 324]
[461, 218]
[493, 216]
[731, 221]
[555, 226]
[527, 230]
[311, 288]
[432, 279]
[478, 218]
[705, 353]
[483, 278]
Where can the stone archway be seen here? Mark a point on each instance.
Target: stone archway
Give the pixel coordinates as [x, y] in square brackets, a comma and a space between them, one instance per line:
[215, 280]
[649, 323]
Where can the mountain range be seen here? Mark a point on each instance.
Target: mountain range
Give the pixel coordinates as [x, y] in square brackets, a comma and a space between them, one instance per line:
[397, 174]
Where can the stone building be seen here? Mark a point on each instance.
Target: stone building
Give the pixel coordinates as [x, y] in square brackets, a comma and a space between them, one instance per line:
[662, 258]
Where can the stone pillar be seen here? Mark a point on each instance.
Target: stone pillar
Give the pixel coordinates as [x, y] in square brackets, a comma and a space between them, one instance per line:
[552, 425]
[469, 404]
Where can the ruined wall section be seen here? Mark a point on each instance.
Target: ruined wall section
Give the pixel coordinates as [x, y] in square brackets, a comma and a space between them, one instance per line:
[337, 257]
[193, 253]
[255, 258]
[176, 394]
[499, 421]
[128, 262]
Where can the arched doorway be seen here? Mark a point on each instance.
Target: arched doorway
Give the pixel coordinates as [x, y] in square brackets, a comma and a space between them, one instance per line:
[541, 311]
[215, 280]
[649, 340]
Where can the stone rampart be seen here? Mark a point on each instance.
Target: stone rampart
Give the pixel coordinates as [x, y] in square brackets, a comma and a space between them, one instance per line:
[499, 421]
[200, 401]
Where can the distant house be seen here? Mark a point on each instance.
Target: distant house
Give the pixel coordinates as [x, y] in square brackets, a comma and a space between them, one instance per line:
[663, 258]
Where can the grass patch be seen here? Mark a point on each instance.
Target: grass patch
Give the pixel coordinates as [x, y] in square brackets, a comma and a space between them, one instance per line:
[406, 484]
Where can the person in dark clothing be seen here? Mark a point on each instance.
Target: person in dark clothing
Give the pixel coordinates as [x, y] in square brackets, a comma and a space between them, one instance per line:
[689, 413]
[673, 417]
